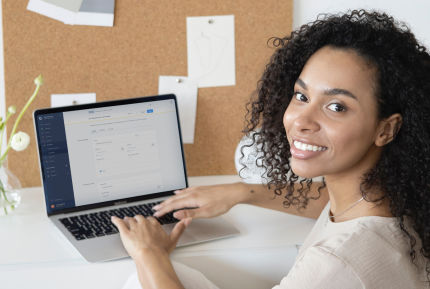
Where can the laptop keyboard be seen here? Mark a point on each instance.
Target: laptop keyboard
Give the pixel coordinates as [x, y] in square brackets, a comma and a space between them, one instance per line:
[99, 224]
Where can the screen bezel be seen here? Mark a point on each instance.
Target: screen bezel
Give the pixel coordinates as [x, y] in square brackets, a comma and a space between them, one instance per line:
[44, 111]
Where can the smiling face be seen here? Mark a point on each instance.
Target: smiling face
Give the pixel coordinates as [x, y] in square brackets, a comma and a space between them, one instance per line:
[331, 121]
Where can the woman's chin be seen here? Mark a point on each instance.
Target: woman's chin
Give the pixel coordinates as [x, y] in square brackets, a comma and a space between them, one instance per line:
[306, 174]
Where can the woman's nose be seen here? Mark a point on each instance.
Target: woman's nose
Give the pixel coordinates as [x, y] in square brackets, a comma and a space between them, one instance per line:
[306, 122]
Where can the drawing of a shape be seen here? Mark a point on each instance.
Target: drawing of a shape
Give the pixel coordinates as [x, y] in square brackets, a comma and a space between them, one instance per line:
[211, 50]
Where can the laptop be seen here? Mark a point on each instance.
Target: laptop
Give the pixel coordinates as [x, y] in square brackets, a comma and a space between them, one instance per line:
[114, 158]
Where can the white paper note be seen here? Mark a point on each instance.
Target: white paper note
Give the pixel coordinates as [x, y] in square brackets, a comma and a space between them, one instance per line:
[52, 11]
[76, 12]
[71, 5]
[186, 94]
[72, 99]
[211, 53]
[96, 12]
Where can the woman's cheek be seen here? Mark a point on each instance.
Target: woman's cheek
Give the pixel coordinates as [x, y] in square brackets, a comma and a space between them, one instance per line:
[287, 119]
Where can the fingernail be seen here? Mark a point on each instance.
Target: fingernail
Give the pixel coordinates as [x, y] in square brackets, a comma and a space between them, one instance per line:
[176, 215]
[156, 214]
[156, 207]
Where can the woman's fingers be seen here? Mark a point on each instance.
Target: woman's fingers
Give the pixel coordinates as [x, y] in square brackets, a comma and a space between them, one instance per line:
[139, 218]
[178, 192]
[167, 202]
[199, 202]
[172, 199]
[153, 221]
[178, 230]
[191, 213]
[120, 224]
[177, 204]
[131, 222]
[139, 232]
[181, 194]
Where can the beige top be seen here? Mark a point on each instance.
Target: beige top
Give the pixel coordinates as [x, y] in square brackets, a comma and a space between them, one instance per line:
[366, 252]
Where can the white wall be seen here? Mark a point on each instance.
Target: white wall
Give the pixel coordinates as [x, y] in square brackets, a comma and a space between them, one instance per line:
[416, 13]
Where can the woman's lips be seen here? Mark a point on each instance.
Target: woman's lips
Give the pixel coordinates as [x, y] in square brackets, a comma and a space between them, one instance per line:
[304, 151]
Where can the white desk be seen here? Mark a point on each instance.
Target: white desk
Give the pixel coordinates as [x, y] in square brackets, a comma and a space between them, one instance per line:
[35, 255]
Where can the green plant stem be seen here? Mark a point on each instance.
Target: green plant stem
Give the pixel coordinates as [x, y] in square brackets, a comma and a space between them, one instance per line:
[3, 192]
[17, 122]
[4, 128]
[3, 195]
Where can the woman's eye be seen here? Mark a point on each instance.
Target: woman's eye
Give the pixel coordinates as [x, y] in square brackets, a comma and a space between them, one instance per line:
[336, 107]
[300, 97]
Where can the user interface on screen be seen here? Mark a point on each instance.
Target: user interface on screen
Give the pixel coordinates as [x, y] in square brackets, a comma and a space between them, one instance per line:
[109, 153]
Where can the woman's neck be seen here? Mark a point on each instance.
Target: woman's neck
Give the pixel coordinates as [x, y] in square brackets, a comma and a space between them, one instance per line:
[344, 193]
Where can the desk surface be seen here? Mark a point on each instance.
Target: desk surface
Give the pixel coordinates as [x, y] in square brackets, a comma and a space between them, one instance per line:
[35, 255]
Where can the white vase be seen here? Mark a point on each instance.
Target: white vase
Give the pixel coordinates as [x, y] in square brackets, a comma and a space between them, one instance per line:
[10, 190]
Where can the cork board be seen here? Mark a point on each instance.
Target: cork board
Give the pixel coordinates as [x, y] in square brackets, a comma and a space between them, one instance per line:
[148, 39]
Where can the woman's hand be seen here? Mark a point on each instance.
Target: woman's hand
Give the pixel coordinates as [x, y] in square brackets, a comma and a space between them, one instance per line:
[202, 202]
[140, 235]
[149, 246]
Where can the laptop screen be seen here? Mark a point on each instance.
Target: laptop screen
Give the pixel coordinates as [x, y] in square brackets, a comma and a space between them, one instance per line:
[106, 153]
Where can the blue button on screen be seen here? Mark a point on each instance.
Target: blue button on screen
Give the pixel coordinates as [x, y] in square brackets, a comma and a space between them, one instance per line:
[150, 110]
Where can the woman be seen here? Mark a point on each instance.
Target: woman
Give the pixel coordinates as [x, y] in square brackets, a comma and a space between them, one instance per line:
[347, 98]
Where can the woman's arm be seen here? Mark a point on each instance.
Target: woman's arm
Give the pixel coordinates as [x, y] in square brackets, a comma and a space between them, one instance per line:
[155, 270]
[212, 201]
[149, 246]
[260, 195]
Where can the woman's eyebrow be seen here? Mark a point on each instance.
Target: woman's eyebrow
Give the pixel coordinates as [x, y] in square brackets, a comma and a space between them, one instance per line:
[332, 91]
[301, 83]
[336, 91]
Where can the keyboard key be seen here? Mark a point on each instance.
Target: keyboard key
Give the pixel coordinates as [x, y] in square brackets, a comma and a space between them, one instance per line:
[87, 226]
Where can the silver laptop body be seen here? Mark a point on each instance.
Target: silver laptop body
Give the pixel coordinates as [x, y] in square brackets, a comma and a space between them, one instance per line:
[107, 156]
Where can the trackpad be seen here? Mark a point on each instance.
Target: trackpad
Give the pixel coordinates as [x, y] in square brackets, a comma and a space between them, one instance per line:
[202, 230]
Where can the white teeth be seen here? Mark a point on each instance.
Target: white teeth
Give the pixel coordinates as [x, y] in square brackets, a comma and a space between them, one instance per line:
[303, 146]
[308, 147]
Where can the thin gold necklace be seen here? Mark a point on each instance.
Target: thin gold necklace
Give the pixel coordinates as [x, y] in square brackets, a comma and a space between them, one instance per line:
[350, 207]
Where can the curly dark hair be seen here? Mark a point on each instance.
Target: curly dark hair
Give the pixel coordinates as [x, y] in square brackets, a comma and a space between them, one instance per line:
[403, 86]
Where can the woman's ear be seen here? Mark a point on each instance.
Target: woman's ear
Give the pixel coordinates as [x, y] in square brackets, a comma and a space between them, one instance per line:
[388, 129]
